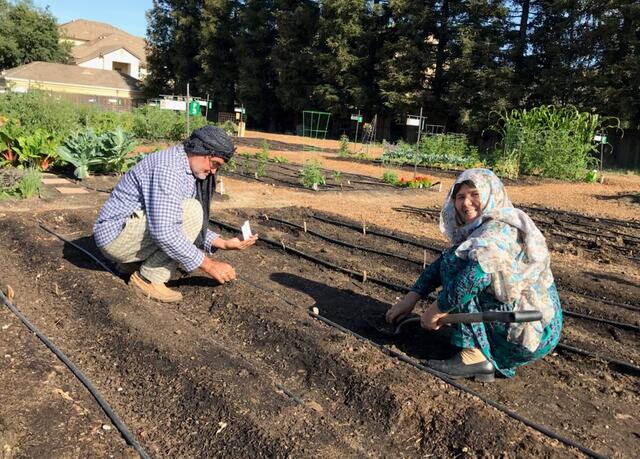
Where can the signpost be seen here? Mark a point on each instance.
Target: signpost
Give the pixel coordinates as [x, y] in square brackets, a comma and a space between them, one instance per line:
[412, 120]
[358, 119]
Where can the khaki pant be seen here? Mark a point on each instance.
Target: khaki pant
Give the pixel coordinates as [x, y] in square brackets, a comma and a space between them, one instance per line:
[135, 243]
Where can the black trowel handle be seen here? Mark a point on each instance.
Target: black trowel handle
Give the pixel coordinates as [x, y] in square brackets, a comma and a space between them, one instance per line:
[492, 316]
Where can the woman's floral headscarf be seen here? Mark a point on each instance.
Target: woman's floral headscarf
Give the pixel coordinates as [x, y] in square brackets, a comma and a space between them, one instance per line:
[509, 246]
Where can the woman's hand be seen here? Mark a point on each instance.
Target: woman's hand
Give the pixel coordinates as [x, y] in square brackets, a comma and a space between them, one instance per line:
[431, 316]
[234, 243]
[402, 308]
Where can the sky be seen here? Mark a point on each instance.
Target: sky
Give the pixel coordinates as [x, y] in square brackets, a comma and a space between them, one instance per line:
[128, 15]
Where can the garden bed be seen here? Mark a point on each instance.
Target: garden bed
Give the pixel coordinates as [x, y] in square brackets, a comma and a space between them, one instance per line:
[243, 370]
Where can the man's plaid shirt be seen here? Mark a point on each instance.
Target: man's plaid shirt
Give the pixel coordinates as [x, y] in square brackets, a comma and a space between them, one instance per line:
[157, 185]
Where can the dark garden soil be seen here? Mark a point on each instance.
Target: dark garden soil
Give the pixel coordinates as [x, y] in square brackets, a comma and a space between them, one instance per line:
[243, 370]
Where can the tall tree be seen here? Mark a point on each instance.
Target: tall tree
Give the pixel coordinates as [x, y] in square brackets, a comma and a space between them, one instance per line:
[160, 49]
[28, 34]
[341, 56]
[216, 56]
[255, 88]
[293, 56]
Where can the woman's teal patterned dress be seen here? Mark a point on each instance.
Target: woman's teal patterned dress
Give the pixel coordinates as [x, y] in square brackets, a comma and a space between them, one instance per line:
[464, 289]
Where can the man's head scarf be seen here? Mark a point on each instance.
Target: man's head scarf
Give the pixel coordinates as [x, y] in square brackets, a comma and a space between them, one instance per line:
[509, 247]
[210, 141]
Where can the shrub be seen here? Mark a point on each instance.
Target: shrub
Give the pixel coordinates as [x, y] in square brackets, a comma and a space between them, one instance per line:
[41, 110]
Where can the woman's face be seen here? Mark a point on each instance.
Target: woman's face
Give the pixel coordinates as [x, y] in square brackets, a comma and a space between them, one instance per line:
[467, 203]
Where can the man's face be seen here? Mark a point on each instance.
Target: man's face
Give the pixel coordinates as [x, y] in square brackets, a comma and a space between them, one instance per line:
[203, 165]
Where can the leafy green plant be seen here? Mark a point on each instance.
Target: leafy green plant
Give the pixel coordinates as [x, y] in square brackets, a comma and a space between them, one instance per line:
[82, 149]
[311, 175]
[336, 176]
[115, 147]
[280, 160]
[10, 130]
[231, 166]
[344, 146]
[390, 177]
[38, 149]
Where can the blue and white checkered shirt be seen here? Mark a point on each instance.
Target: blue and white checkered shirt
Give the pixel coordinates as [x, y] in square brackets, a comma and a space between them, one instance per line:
[157, 185]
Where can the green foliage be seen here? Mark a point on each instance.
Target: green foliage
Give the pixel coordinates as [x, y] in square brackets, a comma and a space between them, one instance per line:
[231, 166]
[40, 110]
[37, 150]
[229, 127]
[443, 151]
[28, 34]
[550, 141]
[311, 175]
[280, 159]
[31, 183]
[336, 176]
[390, 177]
[115, 147]
[262, 156]
[82, 149]
[264, 153]
[10, 130]
[153, 123]
[23, 183]
[344, 147]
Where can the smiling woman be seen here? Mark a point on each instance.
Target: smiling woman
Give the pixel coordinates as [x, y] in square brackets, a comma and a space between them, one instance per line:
[498, 261]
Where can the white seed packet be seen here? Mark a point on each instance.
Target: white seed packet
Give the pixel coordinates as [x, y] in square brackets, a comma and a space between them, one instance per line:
[246, 230]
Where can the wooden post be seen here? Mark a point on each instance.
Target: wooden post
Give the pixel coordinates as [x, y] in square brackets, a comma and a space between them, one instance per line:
[283, 247]
[424, 259]
[364, 226]
[305, 226]
[364, 276]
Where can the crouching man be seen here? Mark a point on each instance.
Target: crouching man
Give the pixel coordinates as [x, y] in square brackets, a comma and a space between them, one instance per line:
[157, 216]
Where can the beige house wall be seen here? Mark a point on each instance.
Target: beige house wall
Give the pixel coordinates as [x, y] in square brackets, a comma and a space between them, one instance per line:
[20, 85]
[106, 62]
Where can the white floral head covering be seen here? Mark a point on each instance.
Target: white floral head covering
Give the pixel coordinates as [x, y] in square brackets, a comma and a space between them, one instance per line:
[509, 247]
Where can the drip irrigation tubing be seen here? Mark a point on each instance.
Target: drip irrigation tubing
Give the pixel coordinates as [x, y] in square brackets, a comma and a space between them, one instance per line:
[540, 428]
[377, 232]
[602, 300]
[628, 224]
[106, 408]
[387, 284]
[338, 241]
[623, 325]
[626, 367]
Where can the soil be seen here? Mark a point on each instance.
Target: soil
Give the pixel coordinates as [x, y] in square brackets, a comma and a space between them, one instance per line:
[243, 369]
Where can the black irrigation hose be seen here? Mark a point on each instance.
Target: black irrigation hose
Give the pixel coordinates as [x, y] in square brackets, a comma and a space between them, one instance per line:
[500, 407]
[602, 300]
[376, 232]
[339, 242]
[392, 286]
[86, 252]
[625, 366]
[122, 428]
[623, 325]
[628, 224]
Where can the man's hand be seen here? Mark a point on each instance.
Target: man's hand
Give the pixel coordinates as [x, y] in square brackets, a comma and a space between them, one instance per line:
[218, 270]
[234, 244]
[431, 316]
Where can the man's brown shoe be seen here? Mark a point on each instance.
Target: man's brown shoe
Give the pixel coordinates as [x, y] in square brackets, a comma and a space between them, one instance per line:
[158, 292]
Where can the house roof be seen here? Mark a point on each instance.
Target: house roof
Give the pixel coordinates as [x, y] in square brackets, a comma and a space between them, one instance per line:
[101, 39]
[72, 74]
